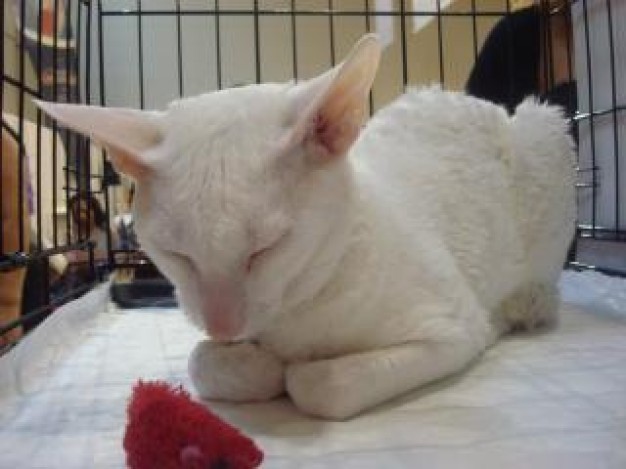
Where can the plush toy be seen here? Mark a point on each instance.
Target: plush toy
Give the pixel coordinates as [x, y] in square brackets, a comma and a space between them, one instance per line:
[167, 429]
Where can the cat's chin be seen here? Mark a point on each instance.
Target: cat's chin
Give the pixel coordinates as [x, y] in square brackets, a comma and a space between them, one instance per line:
[220, 331]
[225, 334]
[226, 338]
[230, 332]
[248, 333]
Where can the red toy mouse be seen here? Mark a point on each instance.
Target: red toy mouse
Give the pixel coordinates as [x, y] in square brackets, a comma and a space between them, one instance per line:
[168, 430]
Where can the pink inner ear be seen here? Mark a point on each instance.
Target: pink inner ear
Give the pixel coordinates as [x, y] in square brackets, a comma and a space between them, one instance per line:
[333, 136]
[128, 164]
[325, 133]
[333, 106]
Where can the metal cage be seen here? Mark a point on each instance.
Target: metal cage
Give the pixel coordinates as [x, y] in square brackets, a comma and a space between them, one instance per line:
[143, 54]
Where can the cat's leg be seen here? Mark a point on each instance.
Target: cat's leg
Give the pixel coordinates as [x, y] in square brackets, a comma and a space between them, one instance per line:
[343, 387]
[235, 372]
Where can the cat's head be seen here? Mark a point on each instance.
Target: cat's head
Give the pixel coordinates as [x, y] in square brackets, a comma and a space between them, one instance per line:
[235, 190]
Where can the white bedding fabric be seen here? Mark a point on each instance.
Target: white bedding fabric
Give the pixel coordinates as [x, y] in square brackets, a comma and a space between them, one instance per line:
[552, 400]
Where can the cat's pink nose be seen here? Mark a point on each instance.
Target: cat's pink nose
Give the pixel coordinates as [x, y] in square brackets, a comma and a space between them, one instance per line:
[223, 314]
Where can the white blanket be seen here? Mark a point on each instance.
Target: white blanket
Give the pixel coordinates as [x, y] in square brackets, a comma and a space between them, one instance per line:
[552, 400]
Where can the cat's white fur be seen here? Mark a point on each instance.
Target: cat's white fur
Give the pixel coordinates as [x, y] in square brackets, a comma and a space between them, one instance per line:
[345, 270]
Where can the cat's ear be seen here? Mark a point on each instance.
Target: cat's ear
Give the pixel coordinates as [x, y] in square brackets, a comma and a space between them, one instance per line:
[125, 133]
[330, 109]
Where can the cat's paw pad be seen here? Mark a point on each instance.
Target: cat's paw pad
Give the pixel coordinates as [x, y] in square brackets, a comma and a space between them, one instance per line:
[235, 372]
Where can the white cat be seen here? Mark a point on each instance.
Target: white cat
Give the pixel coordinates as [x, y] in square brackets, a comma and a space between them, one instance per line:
[344, 265]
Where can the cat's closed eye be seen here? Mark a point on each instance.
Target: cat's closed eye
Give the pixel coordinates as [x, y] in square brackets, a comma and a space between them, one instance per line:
[252, 258]
[259, 253]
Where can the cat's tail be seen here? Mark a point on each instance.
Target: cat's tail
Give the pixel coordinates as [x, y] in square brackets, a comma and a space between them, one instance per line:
[543, 187]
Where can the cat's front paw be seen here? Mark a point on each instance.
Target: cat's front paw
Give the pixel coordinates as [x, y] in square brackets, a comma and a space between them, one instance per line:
[321, 389]
[235, 372]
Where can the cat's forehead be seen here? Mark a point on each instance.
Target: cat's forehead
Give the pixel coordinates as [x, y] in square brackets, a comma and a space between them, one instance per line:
[221, 147]
[248, 105]
[236, 129]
